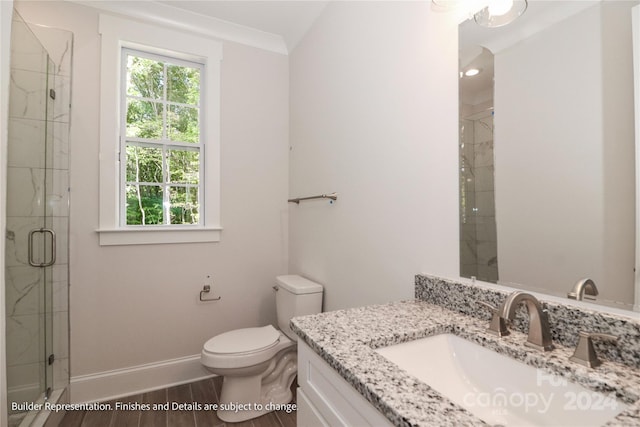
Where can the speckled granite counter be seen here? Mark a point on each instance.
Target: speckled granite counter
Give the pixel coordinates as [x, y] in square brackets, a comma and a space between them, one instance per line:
[345, 339]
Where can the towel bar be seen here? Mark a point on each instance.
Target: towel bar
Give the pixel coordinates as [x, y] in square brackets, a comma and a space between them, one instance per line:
[332, 196]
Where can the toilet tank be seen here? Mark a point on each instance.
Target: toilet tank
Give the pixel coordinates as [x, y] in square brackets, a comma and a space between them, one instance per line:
[296, 296]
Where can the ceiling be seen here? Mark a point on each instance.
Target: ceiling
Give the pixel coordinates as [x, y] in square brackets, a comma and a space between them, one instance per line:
[289, 19]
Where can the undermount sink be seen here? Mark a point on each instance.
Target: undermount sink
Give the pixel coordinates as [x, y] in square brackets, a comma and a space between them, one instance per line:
[498, 389]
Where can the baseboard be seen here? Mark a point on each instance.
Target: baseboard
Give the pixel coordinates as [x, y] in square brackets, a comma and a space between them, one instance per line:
[114, 384]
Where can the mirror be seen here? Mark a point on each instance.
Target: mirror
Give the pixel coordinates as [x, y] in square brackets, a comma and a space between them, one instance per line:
[547, 150]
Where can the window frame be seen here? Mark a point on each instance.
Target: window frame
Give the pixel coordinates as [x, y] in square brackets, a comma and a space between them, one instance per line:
[164, 142]
[118, 33]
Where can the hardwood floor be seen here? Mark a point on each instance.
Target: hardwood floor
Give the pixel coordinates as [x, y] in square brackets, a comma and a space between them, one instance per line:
[205, 391]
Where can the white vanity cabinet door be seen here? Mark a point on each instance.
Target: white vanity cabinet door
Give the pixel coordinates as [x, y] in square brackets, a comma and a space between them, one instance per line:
[326, 399]
[308, 415]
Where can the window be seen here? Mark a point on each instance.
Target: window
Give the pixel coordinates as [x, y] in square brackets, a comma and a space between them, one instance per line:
[161, 176]
[159, 135]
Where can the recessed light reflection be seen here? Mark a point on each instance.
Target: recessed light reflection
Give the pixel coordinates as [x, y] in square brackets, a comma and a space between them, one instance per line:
[472, 72]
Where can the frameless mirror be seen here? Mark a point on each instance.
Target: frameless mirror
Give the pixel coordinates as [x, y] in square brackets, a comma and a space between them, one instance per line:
[547, 149]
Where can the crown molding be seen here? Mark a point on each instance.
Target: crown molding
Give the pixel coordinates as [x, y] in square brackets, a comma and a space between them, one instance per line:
[172, 17]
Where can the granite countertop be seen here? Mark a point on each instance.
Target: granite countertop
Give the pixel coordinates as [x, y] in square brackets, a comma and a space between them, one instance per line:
[346, 340]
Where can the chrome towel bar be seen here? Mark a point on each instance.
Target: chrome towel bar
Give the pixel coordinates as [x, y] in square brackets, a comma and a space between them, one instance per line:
[332, 196]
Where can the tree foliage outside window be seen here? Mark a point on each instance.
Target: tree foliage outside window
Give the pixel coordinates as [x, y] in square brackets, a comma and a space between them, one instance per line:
[162, 171]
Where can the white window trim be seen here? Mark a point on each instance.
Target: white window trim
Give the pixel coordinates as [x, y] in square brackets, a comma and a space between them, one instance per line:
[116, 34]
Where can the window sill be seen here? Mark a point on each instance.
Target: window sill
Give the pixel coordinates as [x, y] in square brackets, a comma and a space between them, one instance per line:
[157, 236]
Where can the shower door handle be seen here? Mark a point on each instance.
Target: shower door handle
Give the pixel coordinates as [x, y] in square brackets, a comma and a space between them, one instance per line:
[53, 247]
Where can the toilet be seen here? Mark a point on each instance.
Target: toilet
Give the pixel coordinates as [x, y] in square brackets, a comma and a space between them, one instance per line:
[259, 364]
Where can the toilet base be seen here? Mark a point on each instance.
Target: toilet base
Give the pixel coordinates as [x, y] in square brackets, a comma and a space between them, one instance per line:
[246, 397]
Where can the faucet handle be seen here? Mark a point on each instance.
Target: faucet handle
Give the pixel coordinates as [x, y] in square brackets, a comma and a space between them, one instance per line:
[585, 354]
[498, 326]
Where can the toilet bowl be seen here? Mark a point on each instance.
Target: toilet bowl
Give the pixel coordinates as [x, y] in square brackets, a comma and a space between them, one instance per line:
[260, 364]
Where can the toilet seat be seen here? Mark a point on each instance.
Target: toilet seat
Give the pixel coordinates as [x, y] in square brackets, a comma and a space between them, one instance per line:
[244, 347]
[247, 340]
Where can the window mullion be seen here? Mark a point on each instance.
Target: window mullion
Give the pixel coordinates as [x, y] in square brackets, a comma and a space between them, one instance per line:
[122, 149]
[174, 103]
[165, 187]
[165, 159]
[143, 142]
[165, 125]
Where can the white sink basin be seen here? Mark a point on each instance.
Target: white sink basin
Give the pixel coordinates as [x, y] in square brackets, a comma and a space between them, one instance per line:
[498, 389]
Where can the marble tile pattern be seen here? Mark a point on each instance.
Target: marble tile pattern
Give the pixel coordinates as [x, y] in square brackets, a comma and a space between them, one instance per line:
[346, 340]
[565, 320]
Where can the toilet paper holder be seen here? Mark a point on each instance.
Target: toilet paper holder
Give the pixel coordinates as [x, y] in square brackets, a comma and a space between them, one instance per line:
[205, 290]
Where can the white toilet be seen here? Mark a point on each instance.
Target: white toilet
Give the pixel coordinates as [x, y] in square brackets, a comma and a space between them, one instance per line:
[259, 364]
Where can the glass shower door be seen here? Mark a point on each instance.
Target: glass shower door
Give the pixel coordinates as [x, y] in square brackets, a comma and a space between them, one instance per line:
[30, 239]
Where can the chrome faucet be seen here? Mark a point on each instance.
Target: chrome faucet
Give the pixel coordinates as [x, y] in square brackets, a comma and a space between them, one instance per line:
[539, 331]
[584, 288]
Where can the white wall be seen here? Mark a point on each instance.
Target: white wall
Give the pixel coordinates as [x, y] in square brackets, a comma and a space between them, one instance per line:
[137, 305]
[374, 118]
[565, 157]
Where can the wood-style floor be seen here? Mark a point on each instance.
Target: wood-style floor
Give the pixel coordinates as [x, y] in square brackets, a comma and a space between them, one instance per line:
[205, 391]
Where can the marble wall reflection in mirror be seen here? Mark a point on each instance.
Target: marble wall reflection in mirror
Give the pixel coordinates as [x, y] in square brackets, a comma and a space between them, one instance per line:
[547, 150]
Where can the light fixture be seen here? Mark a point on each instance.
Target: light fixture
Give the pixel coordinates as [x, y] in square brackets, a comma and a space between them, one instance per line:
[500, 7]
[444, 5]
[472, 72]
[500, 12]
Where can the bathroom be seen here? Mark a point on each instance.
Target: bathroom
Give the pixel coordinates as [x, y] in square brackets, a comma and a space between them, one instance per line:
[361, 101]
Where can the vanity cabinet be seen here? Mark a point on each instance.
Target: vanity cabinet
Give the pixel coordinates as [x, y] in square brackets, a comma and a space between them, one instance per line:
[326, 399]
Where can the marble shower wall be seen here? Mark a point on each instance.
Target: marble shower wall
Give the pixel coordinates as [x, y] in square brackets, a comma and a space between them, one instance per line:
[37, 196]
[478, 241]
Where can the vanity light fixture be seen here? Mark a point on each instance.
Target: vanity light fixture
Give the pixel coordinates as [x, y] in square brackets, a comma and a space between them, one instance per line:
[500, 12]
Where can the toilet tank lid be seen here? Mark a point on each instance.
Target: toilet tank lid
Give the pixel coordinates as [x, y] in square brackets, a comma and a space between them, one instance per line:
[298, 285]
